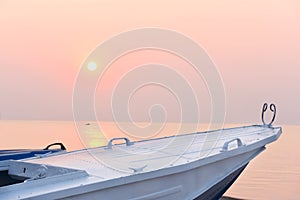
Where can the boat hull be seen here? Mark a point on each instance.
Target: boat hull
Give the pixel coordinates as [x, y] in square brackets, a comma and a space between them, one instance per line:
[217, 191]
[205, 182]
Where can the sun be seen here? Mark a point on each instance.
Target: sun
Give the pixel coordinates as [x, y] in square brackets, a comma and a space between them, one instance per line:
[92, 66]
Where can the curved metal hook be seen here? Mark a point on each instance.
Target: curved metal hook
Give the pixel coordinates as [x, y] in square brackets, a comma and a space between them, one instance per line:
[264, 109]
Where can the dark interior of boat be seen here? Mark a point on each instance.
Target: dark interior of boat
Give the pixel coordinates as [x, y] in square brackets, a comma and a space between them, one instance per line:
[6, 179]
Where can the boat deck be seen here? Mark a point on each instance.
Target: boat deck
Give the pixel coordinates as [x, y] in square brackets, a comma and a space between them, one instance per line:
[150, 155]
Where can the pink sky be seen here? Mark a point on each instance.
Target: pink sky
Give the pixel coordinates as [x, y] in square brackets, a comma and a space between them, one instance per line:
[255, 45]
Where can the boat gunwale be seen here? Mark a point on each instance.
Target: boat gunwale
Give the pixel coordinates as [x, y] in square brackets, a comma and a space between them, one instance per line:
[166, 137]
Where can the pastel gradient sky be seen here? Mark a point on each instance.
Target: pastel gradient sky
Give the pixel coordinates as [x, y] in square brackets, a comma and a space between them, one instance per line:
[255, 45]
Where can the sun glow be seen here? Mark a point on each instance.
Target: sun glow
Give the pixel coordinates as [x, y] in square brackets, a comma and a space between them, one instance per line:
[92, 66]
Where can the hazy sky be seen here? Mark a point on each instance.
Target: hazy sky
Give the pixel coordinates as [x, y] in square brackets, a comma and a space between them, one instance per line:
[255, 45]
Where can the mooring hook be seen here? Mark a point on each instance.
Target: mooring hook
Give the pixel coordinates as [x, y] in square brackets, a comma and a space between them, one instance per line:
[264, 109]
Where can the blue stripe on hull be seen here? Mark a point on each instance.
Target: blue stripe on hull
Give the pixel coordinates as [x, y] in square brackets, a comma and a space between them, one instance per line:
[21, 154]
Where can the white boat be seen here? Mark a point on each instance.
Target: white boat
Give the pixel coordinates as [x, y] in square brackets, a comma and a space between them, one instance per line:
[201, 165]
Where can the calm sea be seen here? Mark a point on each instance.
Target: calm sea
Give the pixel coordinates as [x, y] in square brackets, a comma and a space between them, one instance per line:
[275, 174]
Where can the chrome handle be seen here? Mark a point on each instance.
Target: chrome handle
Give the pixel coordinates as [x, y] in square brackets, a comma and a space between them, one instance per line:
[110, 143]
[239, 143]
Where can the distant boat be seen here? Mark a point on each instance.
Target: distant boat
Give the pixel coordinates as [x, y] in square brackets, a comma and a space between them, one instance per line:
[130, 171]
